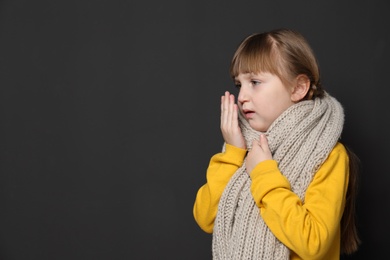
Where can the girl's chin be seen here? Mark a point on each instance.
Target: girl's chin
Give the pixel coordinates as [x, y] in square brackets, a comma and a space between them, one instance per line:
[257, 127]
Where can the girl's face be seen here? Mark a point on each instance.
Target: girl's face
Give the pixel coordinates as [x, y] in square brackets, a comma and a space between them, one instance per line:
[262, 98]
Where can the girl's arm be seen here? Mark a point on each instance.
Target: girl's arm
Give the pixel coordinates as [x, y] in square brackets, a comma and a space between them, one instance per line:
[308, 228]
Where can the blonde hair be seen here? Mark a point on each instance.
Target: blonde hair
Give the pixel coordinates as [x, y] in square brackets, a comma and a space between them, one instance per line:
[283, 52]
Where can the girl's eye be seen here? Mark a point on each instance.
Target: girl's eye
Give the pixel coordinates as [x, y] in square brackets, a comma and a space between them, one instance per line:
[255, 82]
[238, 85]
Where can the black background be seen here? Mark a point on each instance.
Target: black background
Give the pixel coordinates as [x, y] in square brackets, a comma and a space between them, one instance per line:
[110, 114]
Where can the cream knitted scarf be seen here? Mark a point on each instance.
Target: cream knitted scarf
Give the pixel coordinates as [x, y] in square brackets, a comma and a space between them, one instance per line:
[300, 140]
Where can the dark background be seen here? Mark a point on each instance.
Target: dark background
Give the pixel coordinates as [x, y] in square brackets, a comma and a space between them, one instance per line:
[109, 114]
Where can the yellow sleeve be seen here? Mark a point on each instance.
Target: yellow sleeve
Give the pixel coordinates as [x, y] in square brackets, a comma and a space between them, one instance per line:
[310, 229]
[221, 168]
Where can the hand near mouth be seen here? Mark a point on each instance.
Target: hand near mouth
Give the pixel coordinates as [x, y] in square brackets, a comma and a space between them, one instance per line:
[230, 129]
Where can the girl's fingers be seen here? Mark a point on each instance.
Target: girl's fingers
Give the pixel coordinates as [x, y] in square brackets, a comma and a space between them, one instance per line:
[227, 102]
[263, 141]
[231, 109]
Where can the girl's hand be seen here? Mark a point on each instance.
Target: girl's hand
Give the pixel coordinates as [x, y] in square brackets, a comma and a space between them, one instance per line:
[260, 152]
[230, 129]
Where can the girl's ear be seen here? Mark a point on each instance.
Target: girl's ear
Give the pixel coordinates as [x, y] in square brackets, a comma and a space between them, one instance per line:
[302, 85]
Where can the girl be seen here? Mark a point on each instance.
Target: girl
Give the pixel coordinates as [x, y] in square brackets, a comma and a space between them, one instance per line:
[283, 186]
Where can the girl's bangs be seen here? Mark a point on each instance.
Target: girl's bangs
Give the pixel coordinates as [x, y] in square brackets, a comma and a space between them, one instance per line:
[253, 61]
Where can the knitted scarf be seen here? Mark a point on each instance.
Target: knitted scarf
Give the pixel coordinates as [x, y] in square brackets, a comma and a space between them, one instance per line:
[300, 140]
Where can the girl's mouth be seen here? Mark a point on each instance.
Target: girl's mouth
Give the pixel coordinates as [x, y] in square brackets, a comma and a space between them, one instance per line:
[248, 114]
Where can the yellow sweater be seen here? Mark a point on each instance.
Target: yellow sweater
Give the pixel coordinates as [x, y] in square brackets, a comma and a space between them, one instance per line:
[311, 230]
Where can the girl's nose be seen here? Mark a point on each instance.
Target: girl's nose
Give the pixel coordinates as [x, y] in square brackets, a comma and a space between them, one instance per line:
[242, 95]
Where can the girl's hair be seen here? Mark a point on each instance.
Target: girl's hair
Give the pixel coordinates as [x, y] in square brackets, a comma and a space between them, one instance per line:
[286, 54]
[349, 236]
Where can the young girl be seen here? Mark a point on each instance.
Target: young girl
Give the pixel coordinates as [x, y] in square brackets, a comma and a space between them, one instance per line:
[283, 186]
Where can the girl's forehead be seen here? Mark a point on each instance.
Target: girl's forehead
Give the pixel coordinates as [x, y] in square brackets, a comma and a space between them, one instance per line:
[244, 75]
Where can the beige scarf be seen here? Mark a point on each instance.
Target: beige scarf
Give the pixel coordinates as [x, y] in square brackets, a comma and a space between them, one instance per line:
[300, 141]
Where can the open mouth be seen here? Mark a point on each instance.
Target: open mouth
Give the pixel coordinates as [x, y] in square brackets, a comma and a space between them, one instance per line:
[248, 113]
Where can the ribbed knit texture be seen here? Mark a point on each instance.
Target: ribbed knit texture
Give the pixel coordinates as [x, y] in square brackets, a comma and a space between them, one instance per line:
[300, 140]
